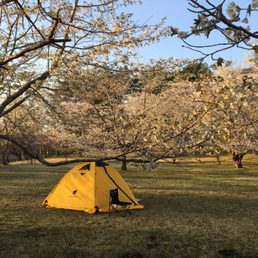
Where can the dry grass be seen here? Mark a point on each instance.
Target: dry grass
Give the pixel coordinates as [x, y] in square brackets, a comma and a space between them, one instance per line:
[191, 210]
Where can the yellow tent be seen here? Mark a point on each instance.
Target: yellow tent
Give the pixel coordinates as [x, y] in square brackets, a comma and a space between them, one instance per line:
[86, 188]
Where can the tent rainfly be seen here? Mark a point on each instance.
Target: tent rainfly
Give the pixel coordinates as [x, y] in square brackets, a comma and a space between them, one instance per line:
[86, 187]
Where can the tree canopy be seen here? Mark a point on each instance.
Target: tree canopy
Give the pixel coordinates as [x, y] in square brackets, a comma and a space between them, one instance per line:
[67, 80]
[40, 40]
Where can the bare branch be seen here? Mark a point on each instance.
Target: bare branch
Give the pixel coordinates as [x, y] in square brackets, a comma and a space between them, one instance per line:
[210, 18]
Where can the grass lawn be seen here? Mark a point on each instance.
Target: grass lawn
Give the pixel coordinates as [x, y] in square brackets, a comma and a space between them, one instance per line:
[191, 210]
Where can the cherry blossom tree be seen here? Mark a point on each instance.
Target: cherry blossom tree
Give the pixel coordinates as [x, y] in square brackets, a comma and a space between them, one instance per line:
[41, 39]
[231, 96]
[141, 114]
[229, 20]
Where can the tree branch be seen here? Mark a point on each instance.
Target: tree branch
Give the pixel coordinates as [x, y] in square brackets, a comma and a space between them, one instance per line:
[35, 155]
[19, 92]
[32, 48]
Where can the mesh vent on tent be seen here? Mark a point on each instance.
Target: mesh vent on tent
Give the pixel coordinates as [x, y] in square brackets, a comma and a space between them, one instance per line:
[101, 164]
[85, 167]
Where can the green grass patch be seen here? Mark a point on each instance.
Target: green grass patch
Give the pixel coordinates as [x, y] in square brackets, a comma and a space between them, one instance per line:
[192, 209]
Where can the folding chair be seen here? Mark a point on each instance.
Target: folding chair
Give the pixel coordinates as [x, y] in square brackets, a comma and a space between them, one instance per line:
[116, 205]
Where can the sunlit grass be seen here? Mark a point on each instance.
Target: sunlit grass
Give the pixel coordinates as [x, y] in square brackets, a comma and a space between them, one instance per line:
[36, 162]
[191, 210]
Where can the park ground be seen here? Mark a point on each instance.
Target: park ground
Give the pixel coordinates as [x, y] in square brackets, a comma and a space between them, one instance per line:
[192, 209]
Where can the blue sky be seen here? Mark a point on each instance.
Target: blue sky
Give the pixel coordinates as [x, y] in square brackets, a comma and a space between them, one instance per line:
[177, 14]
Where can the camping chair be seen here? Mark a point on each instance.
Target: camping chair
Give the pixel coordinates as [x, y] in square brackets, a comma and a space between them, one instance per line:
[115, 203]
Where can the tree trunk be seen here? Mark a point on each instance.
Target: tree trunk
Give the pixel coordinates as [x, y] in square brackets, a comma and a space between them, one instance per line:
[218, 159]
[124, 164]
[18, 154]
[23, 156]
[5, 155]
[174, 161]
[4, 161]
[42, 151]
[237, 158]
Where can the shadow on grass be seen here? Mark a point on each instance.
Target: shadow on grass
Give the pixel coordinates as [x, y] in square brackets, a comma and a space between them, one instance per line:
[219, 207]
